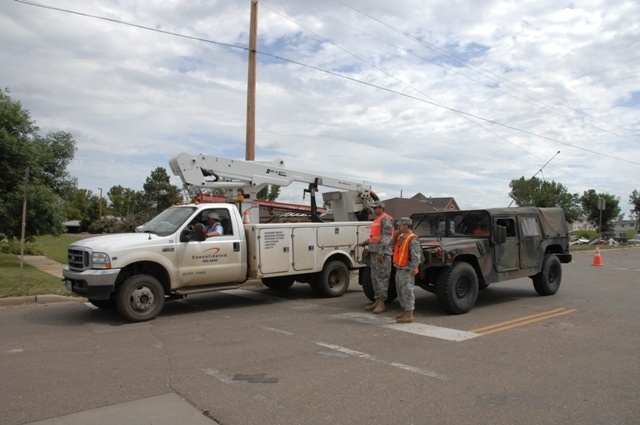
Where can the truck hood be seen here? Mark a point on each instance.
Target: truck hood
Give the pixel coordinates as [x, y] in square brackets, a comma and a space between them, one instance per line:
[120, 241]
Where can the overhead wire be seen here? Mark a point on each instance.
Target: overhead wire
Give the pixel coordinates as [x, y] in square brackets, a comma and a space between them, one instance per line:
[463, 115]
[498, 78]
[333, 73]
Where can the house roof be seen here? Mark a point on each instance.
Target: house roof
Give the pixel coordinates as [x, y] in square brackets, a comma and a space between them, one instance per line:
[404, 207]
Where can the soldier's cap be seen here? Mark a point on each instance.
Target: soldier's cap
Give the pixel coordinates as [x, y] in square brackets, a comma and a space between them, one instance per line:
[376, 204]
[405, 220]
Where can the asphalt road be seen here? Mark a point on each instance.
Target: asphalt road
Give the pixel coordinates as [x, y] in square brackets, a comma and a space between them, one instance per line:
[255, 356]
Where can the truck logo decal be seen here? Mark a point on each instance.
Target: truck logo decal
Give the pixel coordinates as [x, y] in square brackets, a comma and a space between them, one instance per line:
[209, 255]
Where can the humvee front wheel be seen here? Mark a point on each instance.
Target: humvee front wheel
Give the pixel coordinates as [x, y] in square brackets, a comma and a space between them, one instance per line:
[457, 288]
[547, 282]
[364, 278]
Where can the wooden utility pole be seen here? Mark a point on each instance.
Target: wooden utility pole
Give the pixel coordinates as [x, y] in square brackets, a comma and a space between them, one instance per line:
[24, 221]
[250, 154]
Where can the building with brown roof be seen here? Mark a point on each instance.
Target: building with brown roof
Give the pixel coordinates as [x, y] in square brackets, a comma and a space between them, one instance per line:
[404, 207]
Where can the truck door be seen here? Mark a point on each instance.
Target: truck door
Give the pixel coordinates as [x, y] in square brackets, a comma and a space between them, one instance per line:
[530, 241]
[217, 259]
[508, 253]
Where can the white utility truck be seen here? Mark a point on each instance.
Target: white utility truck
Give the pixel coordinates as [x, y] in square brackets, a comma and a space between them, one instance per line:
[170, 257]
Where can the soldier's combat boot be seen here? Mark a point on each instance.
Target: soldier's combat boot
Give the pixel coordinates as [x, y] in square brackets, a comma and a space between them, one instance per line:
[401, 315]
[370, 307]
[407, 318]
[380, 307]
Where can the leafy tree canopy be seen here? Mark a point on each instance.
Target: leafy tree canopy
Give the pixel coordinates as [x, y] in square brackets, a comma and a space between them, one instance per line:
[46, 158]
[542, 193]
[159, 193]
[611, 212]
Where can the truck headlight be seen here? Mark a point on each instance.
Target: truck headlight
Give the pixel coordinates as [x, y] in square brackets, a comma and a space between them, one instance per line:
[100, 260]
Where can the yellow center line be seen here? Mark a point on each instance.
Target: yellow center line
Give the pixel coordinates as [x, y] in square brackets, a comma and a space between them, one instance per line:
[509, 324]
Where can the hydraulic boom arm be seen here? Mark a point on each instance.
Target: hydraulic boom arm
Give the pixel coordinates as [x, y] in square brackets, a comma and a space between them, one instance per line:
[247, 178]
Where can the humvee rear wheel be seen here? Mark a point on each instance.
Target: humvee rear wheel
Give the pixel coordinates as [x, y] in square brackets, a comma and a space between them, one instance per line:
[364, 278]
[457, 288]
[547, 282]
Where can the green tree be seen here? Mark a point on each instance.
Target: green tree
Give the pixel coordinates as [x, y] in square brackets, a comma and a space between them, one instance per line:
[159, 193]
[589, 202]
[270, 193]
[46, 157]
[634, 200]
[543, 194]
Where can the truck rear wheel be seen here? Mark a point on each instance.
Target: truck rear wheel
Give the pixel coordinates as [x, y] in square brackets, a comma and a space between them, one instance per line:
[547, 282]
[140, 298]
[333, 281]
[364, 278]
[278, 283]
[457, 288]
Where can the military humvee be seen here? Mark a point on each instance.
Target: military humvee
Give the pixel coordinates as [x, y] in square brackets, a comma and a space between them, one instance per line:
[465, 251]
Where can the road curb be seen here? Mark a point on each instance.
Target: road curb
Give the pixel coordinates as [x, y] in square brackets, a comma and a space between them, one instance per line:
[38, 299]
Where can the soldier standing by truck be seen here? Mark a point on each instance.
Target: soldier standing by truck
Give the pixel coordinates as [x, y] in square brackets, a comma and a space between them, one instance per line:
[407, 256]
[379, 247]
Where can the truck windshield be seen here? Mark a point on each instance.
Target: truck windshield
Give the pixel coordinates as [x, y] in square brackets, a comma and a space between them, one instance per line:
[168, 221]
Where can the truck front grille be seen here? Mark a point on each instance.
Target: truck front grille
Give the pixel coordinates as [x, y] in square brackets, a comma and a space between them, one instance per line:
[78, 259]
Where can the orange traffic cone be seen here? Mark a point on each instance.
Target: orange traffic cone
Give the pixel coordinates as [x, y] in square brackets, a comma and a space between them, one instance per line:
[246, 219]
[597, 259]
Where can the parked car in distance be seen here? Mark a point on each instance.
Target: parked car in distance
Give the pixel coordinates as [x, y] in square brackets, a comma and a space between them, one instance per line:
[578, 240]
[635, 240]
[618, 237]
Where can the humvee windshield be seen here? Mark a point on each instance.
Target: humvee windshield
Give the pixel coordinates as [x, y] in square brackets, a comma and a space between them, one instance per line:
[452, 223]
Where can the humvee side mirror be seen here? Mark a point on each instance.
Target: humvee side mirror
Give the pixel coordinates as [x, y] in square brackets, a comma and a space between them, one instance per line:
[499, 234]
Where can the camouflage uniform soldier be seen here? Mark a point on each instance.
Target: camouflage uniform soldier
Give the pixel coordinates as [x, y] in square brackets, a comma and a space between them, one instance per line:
[379, 245]
[406, 258]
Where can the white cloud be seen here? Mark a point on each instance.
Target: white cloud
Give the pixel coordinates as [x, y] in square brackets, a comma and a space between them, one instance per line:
[552, 76]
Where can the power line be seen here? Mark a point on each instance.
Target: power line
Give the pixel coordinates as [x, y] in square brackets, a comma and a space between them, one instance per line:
[434, 103]
[484, 73]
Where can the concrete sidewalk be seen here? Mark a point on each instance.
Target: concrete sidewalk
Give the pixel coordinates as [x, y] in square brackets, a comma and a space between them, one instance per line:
[44, 264]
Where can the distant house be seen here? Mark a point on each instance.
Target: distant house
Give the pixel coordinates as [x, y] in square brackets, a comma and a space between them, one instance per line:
[73, 226]
[624, 225]
[404, 207]
[581, 223]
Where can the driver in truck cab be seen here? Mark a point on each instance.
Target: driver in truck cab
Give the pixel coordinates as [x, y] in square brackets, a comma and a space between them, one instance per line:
[214, 228]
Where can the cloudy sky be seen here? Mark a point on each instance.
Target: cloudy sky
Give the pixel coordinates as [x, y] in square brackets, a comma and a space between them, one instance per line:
[443, 97]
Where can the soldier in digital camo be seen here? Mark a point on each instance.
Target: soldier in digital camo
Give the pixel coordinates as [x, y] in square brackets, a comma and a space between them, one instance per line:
[379, 246]
[407, 255]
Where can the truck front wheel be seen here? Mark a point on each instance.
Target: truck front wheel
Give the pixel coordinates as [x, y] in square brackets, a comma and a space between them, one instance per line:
[140, 298]
[547, 282]
[333, 281]
[104, 304]
[457, 288]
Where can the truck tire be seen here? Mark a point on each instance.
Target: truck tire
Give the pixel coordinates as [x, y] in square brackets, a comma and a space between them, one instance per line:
[281, 283]
[547, 282]
[104, 304]
[364, 278]
[457, 288]
[140, 298]
[333, 281]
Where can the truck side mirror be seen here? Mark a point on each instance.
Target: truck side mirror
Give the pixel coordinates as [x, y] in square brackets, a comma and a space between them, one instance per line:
[199, 232]
[499, 234]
